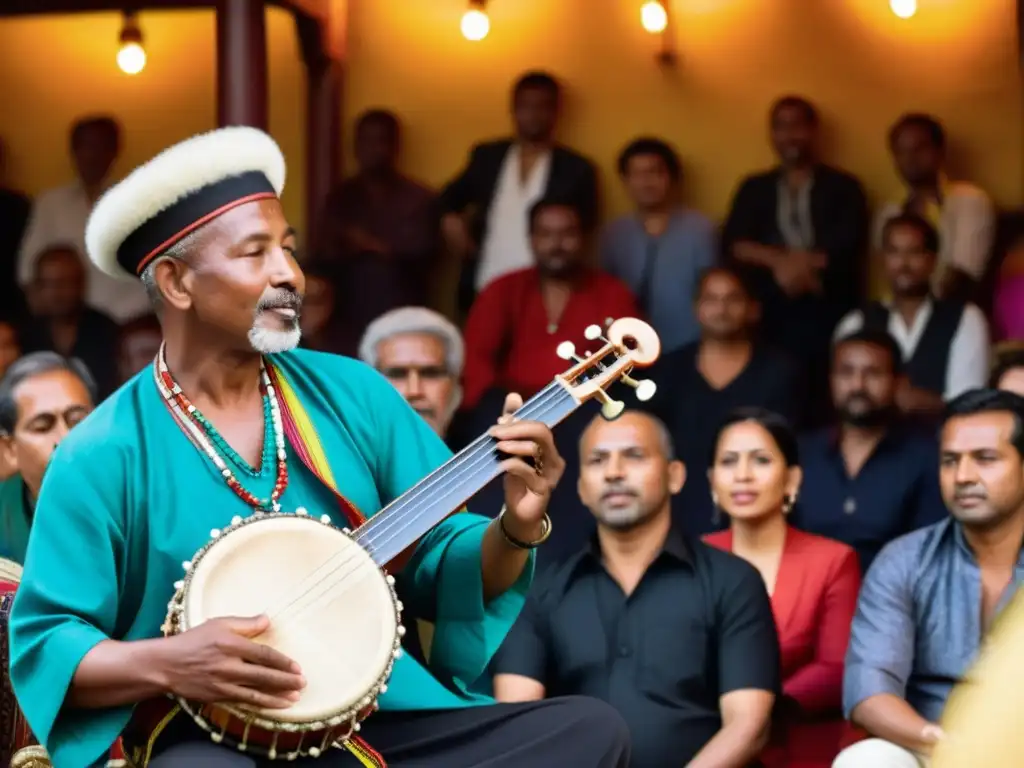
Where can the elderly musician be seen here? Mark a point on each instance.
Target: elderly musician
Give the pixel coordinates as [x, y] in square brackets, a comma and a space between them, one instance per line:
[421, 353]
[235, 422]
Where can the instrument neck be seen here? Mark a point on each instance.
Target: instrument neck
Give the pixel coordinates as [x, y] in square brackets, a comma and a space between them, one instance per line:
[405, 520]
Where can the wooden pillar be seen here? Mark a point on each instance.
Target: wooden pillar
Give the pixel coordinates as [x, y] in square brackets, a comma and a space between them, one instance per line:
[1020, 32]
[323, 50]
[241, 63]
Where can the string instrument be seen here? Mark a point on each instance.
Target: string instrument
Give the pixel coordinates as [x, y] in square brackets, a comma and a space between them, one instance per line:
[331, 602]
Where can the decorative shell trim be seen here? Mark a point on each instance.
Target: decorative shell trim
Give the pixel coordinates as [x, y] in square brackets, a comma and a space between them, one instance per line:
[334, 731]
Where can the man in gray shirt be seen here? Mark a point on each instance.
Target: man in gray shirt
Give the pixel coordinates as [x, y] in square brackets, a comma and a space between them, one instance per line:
[930, 596]
[660, 250]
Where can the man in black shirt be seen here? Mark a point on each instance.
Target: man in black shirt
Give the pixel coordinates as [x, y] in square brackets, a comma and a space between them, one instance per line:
[800, 232]
[677, 636]
[700, 383]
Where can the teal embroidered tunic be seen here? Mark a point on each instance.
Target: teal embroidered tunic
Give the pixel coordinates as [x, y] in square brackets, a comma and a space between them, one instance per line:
[128, 497]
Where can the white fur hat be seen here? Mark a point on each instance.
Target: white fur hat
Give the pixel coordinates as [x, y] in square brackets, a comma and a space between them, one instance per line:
[178, 191]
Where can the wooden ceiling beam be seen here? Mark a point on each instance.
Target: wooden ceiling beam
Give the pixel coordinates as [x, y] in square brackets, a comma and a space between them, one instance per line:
[309, 9]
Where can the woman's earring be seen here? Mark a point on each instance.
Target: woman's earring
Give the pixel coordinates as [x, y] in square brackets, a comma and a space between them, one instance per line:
[788, 503]
[716, 515]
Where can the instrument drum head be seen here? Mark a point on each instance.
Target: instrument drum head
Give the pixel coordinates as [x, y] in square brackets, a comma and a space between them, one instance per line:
[331, 608]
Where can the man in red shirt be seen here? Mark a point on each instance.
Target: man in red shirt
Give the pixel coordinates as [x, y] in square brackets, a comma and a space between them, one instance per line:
[518, 321]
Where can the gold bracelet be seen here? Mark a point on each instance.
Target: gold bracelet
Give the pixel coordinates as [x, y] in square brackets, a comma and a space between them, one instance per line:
[513, 541]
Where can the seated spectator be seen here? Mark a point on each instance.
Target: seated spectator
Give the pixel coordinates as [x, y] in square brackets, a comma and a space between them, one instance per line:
[945, 343]
[63, 323]
[380, 230]
[800, 231]
[518, 320]
[813, 582]
[662, 248]
[961, 212]
[1008, 371]
[138, 344]
[930, 598]
[676, 635]
[870, 477]
[421, 353]
[42, 396]
[702, 382]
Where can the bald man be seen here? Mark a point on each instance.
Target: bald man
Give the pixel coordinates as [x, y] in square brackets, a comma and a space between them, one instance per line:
[613, 620]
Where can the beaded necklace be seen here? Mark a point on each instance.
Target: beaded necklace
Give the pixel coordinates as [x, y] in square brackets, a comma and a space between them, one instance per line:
[200, 431]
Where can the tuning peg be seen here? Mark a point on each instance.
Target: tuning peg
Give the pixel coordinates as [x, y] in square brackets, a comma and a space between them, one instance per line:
[566, 350]
[645, 388]
[610, 409]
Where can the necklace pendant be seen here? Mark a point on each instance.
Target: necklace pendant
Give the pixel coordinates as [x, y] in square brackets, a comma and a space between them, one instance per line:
[552, 328]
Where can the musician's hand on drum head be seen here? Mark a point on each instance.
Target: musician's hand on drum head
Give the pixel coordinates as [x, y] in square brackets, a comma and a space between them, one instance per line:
[527, 488]
[218, 662]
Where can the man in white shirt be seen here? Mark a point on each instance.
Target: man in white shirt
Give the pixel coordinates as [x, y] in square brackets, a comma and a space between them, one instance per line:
[962, 213]
[486, 207]
[58, 218]
[945, 343]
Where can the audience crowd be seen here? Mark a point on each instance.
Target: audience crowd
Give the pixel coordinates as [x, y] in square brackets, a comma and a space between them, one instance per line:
[792, 552]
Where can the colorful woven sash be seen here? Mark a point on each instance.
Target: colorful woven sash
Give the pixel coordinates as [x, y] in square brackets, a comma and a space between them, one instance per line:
[301, 435]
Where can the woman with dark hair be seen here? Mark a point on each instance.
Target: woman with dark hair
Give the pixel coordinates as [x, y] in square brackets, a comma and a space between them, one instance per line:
[813, 582]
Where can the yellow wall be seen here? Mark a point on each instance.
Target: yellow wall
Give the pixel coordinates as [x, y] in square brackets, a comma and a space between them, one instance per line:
[863, 66]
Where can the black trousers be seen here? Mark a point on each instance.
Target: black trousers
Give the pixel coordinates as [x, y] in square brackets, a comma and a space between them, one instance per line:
[569, 732]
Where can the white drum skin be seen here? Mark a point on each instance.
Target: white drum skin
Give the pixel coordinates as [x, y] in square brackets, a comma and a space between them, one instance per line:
[331, 609]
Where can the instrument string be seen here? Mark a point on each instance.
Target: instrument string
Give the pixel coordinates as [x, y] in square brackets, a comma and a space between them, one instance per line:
[325, 585]
[341, 559]
[389, 523]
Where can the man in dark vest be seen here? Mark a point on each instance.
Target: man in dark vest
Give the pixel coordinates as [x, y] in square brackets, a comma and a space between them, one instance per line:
[945, 343]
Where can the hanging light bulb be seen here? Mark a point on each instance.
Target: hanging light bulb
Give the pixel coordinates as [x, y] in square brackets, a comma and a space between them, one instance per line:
[475, 24]
[653, 16]
[903, 8]
[131, 56]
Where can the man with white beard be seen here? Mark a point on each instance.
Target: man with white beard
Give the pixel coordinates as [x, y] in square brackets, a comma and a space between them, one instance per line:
[231, 423]
[678, 637]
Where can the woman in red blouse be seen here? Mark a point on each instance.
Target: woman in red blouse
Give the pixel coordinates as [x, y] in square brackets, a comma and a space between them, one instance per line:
[813, 581]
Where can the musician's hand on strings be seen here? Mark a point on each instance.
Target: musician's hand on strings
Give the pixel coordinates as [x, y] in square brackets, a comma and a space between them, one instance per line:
[527, 487]
[218, 662]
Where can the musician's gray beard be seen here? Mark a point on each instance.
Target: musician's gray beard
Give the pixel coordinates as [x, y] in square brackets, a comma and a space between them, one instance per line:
[268, 341]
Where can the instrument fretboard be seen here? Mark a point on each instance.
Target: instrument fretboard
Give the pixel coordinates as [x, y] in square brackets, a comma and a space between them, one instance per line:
[402, 522]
